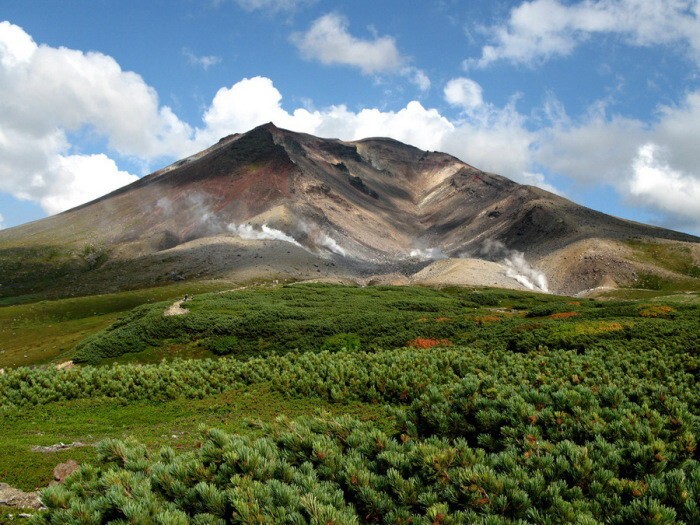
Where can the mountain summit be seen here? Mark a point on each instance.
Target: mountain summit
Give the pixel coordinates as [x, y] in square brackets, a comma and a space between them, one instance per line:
[274, 203]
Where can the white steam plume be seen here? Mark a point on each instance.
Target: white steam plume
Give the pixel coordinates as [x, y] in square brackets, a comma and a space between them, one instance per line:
[517, 267]
[246, 231]
[318, 237]
[330, 243]
[165, 205]
[427, 254]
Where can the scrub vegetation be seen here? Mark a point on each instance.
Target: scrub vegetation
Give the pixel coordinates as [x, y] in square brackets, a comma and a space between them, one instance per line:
[370, 405]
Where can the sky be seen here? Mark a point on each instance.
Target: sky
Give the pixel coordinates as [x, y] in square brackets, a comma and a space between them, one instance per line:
[596, 100]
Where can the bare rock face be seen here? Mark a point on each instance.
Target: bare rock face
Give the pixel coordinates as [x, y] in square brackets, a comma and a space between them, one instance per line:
[18, 499]
[58, 447]
[15, 498]
[370, 207]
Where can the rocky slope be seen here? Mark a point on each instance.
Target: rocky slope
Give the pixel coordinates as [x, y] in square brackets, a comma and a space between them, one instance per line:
[273, 203]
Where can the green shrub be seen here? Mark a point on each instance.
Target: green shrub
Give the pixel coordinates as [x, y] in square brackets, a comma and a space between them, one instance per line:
[337, 342]
[225, 345]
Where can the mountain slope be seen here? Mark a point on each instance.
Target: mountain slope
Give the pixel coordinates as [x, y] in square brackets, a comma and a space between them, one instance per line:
[271, 203]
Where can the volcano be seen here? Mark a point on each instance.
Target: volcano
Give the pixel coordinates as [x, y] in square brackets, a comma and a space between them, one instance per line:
[272, 203]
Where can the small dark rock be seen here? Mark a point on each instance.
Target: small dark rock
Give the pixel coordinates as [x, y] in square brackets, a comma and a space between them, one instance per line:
[63, 470]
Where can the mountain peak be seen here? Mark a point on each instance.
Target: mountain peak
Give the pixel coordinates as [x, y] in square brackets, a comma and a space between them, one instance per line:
[269, 126]
[360, 204]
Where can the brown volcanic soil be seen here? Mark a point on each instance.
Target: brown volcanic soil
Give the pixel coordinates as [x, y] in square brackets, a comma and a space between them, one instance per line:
[377, 199]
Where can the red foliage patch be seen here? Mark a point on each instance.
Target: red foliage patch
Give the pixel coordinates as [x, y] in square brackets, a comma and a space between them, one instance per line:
[563, 315]
[424, 342]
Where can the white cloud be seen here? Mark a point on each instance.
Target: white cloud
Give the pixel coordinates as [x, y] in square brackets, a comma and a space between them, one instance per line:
[597, 150]
[492, 138]
[48, 93]
[495, 140]
[329, 41]
[51, 92]
[678, 131]
[655, 165]
[67, 89]
[2, 222]
[273, 6]
[203, 61]
[249, 103]
[76, 179]
[417, 77]
[663, 188]
[539, 180]
[543, 29]
[464, 92]
[16, 46]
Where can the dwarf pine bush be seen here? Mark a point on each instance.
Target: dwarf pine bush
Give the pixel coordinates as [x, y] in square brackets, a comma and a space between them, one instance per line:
[344, 471]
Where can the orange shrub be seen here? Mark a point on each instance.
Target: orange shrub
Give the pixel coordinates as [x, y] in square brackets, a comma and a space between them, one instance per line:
[656, 311]
[563, 315]
[424, 342]
[609, 326]
[486, 319]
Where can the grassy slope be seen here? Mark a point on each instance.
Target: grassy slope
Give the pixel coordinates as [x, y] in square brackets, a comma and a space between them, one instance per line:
[314, 317]
[304, 316]
[673, 257]
[44, 331]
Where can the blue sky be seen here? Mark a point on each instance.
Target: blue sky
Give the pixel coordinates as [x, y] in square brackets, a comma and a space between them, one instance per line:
[597, 100]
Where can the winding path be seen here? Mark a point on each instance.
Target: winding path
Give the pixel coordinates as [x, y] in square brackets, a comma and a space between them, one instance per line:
[176, 309]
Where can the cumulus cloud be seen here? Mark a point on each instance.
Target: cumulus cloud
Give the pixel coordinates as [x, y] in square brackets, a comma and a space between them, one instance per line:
[677, 131]
[50, 88]
[650, 164]
[76, 179]
[2, 222]
[329, 41]
[492, 138]
[203, 61]
[664, 188]
[539, 180]
[254, 101]
[595, 150]
[49, 93]
[249, 103]
[539, 30]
